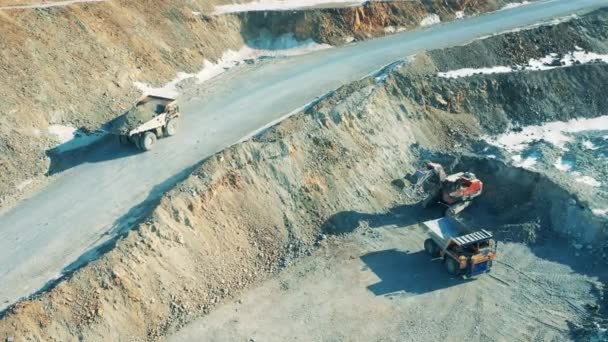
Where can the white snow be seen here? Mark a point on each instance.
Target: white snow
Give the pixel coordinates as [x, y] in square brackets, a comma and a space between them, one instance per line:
[23, 185]
[168, 90]
[514, 4]
[553, 132]
[526, 163]
[471, 71]
[459, 14]
[432, 19]
[282, 5]
[562, 165]
[62, 133]
[589, 145]
[587, 180]
[600, 212]
[551, 61]
[70, 138]
[393, 29]
[282, 46]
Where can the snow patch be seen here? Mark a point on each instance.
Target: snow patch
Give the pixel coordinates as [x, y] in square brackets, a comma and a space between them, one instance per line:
[588, 145]
[23, 185]
[553, 132]
[562, 165]
[62, 133]
[71, 138]
[549, 62]
[587, 180]
[168, 90]
[432, 19]
[393, 29]
[600, 212]
[465, 72]
[459, 14]
[282, 5]
[526, 163]
[283, 46]
[514, 5]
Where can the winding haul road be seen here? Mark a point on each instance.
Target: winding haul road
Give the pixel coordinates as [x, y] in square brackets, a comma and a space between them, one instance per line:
[89, 203]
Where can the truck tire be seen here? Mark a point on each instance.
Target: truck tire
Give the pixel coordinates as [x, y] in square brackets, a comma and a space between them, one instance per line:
[431, 248]
[171, 128]
[452, 266]
[123, 140]
[147, 141]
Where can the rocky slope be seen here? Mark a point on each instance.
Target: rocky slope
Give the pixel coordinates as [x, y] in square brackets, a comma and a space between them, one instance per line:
[251, 209]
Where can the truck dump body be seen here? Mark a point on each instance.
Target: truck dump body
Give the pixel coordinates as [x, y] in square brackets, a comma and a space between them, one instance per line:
[447, 228]
[144, 111]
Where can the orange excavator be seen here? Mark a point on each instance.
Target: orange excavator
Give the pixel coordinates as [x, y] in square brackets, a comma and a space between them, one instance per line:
[454, 191]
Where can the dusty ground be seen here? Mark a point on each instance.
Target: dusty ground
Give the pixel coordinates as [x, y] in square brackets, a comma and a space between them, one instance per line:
[255, 208]
[378, 284]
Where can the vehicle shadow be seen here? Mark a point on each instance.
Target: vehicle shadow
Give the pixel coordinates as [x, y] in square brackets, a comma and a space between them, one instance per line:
[104, 149]
[402, 272]
[402, 216]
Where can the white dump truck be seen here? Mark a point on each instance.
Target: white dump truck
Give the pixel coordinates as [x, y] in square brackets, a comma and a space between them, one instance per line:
[153, 117]
[464, 252]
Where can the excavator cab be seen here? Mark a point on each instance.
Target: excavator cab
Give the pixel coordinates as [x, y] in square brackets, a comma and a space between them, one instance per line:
[455, 191]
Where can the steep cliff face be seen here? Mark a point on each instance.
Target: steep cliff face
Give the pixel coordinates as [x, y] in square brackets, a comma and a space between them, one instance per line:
[340, 25]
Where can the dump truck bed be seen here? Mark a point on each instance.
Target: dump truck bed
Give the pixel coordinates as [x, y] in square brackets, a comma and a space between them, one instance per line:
[446, 228]
[443, 229]
[146, 109]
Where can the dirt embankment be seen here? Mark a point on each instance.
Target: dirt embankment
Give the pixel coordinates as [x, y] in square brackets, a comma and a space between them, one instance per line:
[250, 210]
[340, 25]
[76, 65]
[514, 99]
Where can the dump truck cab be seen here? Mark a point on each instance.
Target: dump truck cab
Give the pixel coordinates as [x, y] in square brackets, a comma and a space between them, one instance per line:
[464, 252]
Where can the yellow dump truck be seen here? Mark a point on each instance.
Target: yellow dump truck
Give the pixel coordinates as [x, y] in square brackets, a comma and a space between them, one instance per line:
[464, 252]
[153, 117]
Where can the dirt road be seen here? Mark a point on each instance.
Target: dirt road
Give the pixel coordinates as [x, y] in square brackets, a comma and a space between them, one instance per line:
[108, 188]
[380, 285]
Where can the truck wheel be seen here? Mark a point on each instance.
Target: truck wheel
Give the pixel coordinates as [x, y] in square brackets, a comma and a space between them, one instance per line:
[147, 141]
[123, 140]
[452, 266]
[431, 248]
[171, 127]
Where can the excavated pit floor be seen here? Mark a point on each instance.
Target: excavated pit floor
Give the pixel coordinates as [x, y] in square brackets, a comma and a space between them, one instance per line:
[372, 281]
[378, 284]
